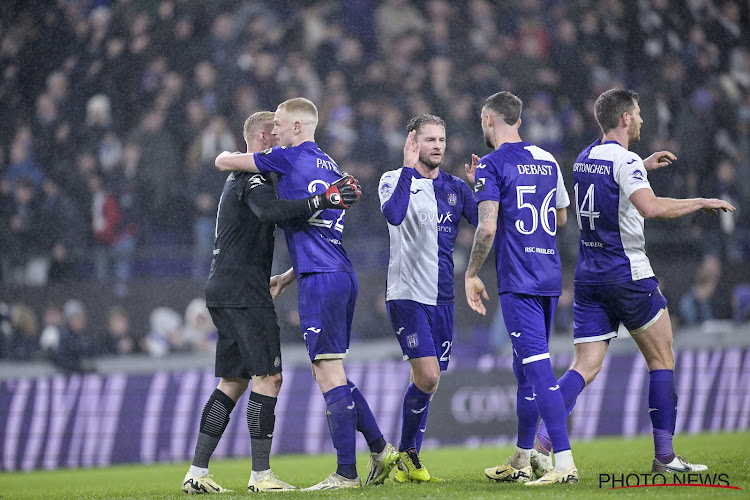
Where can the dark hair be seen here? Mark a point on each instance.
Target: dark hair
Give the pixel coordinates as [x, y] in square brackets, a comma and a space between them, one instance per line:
[423, 119]
[506, 105]
[611, 105]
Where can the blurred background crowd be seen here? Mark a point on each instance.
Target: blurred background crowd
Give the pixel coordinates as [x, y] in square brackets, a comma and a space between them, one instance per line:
[113, 112]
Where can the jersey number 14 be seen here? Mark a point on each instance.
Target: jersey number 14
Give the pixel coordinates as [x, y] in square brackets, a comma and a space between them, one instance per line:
[586, 208]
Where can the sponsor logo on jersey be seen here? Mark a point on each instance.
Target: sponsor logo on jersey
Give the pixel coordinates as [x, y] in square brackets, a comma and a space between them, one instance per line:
[515, 334]
[232, 176]
[411, 340]
[384, 188]
[479, 186]
[452, 199]
[314, 330]
[265, 151]
[481, 165]
[637, 175]
[631, 161]
[277, 361]
[416, 191]
[398, 332]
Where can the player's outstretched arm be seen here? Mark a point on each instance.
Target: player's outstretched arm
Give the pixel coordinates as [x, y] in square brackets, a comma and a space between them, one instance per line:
[659, 160]
[483, 239]
[652, 207]
[236, 161]
[280, 281]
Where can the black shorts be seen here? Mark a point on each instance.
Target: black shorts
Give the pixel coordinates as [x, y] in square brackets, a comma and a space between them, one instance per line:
[248, 342]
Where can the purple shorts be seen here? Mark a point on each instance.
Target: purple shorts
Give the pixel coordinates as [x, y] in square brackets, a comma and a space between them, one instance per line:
[598, 310]
[326, 308]
[422, 330]
[528, 319]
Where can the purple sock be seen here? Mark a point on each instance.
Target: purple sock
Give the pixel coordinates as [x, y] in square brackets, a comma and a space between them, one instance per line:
[549, 400]
[526, 411]
[415, 404]
[366, 423]
[342, 422]
[422, 428]
[571, 385]
[662, 408]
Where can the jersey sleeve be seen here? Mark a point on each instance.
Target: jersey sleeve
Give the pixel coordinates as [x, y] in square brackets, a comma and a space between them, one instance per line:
[486, 184]
[630, 174]
[394, 194]
[471, 212]
[273, 160]
[563, 200]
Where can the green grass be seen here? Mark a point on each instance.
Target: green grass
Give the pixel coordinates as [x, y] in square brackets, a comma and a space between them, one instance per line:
[461, 467]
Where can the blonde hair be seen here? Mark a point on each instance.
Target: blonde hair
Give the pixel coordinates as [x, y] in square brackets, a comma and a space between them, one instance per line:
[301, 105]
[254, 123]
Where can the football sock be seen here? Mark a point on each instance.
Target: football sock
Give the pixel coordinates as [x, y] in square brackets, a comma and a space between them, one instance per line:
[564, 461]
[571, 385]
[422, 428]
[526, 409]
[366, 423]
[549, 401]
[342, 422]
[415, 404]
[260, 423]
[214, 420]
[662, 408]
[521, 458]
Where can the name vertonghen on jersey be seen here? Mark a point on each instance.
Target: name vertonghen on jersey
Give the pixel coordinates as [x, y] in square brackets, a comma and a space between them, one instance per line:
[592, 168]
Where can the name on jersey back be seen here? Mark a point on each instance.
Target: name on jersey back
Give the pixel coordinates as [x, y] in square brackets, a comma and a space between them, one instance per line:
[535, 169]
[592, 168]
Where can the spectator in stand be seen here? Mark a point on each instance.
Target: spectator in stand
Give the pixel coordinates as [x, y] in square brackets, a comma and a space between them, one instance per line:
[697, 305]
[67, 232]
[24, 256]
[49, 340]
[118, 339]
[741, 303]
[199, 331]
[165, 335]
[114, 238]
[24, 341]
[77, 343]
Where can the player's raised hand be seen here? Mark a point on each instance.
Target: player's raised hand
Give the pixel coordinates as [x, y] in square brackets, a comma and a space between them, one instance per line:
[659, 160]
[471, 169]
[713, 205]
[475, 291]
[411, 150]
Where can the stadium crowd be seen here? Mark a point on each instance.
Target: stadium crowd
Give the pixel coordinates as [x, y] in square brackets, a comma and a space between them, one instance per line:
[113, 112]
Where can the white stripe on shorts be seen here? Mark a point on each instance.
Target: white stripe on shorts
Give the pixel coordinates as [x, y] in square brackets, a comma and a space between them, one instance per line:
[606, 336]
[537, 357]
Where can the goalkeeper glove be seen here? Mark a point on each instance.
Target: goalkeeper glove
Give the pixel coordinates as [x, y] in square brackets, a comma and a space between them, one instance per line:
[342, 194]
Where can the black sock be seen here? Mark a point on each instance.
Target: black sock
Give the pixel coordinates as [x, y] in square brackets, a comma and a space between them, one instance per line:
[260, 423]
[213, 422]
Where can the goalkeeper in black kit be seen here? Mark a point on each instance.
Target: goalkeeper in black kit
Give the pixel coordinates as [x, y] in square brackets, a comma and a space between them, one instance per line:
[240, 303]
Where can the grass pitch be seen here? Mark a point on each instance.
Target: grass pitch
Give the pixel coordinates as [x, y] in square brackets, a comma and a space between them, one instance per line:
[462, 468]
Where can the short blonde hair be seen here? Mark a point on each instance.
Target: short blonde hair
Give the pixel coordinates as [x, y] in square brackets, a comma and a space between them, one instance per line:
[301, 105]
[254, 123]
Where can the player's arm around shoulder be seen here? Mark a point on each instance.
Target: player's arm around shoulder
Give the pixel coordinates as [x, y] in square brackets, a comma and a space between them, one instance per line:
[227, 161]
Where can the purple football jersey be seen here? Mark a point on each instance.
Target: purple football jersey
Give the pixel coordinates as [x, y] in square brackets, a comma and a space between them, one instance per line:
[527, 182]
[612, 248]
[314, 240]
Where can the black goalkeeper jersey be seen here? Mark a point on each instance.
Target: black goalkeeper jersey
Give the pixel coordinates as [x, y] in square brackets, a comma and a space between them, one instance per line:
[243, 245]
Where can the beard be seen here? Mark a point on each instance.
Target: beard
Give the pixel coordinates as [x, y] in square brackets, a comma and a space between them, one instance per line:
[428, 162]
[634, 133]
[488, 141]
